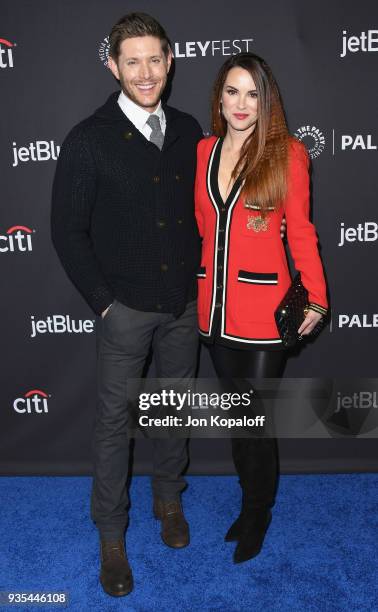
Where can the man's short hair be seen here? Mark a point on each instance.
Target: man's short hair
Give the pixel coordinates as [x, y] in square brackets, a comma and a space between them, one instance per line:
[133, 25]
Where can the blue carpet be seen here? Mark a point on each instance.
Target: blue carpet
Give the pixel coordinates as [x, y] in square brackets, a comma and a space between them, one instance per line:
[320, 553]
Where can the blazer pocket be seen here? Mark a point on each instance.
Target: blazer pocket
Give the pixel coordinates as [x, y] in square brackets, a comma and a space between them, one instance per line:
[258, 278]
[201, 272]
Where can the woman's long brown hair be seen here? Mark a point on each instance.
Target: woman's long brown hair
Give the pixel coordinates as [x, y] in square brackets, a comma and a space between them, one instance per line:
[264, 155]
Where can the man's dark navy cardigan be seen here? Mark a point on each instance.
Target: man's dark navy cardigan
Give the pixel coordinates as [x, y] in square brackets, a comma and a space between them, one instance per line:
[123, 218]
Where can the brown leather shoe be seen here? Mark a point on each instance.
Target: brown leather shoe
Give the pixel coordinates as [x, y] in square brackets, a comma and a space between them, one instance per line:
[116, 577]
[174, 528]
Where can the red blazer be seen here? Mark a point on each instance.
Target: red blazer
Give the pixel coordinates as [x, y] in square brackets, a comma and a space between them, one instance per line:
[244, 272]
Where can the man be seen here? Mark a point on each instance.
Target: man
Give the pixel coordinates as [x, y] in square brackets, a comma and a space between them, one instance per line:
[124, 228]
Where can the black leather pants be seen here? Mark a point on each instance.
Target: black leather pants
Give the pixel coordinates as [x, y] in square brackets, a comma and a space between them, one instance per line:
[256, 459]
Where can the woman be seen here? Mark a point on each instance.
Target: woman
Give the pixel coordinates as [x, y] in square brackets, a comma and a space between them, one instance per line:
[249, 175]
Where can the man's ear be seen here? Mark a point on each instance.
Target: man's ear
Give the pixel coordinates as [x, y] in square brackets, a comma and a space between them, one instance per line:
[169, 58]
[113, 67]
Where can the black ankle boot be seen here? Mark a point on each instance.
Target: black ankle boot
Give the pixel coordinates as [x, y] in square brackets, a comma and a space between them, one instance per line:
[233, 534]
[239, 450]
[256, 461]
[252, 533]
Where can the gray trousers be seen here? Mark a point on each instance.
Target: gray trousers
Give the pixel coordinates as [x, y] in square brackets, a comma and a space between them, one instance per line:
[125, 339]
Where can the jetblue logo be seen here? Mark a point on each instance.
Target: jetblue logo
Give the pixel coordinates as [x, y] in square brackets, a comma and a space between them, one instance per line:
[365, 42]
[60, 324]
[364, 232]
[40, 150]
[359, 399]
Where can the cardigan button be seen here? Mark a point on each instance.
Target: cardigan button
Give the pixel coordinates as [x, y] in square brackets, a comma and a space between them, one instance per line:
[156, 179]
[164, 267]
[220, 248]
[128, 135]
[159, 306]
[218, 304]
[160, 223]
[178, 177]
[180, 221]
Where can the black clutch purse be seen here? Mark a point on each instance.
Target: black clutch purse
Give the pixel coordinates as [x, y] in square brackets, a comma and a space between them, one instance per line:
[291, 312]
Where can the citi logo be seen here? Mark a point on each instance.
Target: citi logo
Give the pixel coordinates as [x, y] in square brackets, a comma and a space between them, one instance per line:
[103, 51]
[17, 239]
[360, 399]
[211, 47]
[364, 232]
[358, 320]
[359, 141]
[313, 138]
[365, 42]
[34, 401]
[40, 150]
[60, 324]
[6, 53]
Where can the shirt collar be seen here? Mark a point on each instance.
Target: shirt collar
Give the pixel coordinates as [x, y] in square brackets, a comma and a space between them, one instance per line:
[137, 115]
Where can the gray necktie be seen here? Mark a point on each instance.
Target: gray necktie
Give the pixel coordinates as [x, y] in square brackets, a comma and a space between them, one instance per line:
[157, 136]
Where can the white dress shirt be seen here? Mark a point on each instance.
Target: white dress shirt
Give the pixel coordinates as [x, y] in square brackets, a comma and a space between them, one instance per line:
[138, 115]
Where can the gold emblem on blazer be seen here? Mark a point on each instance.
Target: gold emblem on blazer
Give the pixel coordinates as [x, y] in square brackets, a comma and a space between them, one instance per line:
[258, 224]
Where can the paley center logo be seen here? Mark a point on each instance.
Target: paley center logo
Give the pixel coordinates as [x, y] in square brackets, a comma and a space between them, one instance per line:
[192, 48]
[6, 53]
[34, 401]
[364, 232]
[17, 239]
[103, 51]
[40, 150]
[364, 41]
[203, 48]
[313, 138]
[354, 142]
[60, 324]
[358, 320]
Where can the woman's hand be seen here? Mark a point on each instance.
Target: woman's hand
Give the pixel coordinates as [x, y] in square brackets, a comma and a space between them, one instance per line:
[312, 319]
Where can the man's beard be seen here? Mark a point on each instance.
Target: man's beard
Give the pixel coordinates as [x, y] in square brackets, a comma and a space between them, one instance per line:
[139, 101]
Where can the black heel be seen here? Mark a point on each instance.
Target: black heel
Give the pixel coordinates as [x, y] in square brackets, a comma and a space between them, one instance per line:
[252, 534]
[233, 534]
[256, 463]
